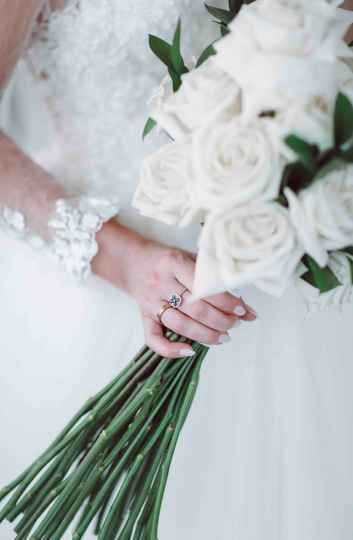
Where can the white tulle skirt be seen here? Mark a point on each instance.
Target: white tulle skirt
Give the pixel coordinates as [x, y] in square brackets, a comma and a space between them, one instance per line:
[267, 453]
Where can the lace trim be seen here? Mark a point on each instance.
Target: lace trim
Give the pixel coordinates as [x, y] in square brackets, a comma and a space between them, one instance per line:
[73, 228]
[14, 223]
[74, 232]
[90, 59]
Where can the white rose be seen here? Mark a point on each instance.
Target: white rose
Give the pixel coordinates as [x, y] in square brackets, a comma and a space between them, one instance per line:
[254, 244]
[341, 265]
[234, 164]
[311, 120]
[290, 46]
[323, 214]
[163, 192]
[205, 93]
[157, 110]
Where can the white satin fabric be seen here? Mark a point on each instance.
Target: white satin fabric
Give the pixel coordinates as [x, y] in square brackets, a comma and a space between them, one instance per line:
[267, 453]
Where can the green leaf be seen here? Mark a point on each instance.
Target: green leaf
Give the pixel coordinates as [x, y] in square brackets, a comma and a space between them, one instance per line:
[149, 126]
[235, 6]
[207, 53]
[343, 120]
[224, 30]
[296, 176]
[161, 49]
[320, 278]
[220, 14]
[307, 153]
[176, 79]
[176, 57]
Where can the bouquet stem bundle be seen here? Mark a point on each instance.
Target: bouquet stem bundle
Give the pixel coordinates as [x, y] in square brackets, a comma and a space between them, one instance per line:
[111, 462]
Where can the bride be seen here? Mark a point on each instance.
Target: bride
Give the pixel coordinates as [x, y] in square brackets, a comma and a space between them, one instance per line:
[267, 451]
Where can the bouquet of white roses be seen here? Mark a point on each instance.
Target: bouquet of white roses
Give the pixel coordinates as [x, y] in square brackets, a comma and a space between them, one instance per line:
[262, 155]
[261, 150]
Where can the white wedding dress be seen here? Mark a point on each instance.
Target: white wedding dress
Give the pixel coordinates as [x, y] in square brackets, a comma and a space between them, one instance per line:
[267, 453]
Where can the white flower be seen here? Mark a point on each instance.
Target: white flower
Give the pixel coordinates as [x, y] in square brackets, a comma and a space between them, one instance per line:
[157, 105]
[254, 244]
[342, 266]
[311, 120]
[164, 189]
[290, 46]
[323, 214]
[234, 164]
[205, 93]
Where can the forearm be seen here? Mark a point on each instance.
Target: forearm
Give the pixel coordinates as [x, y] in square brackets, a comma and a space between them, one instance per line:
[27, 188]
[118, 243]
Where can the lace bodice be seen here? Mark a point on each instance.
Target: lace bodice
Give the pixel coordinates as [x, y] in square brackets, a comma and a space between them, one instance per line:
[94, 64]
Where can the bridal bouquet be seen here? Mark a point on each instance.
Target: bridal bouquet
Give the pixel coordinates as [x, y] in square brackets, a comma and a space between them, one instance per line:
[261, 154]
[261, 150]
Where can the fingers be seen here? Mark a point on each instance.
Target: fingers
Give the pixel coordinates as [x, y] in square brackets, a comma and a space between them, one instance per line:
[161, 345]
[208, 315]
[228, 303]
[176, 321]
[184, 271]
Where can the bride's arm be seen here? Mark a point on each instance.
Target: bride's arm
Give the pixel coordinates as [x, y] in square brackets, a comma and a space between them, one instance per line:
[146, 270]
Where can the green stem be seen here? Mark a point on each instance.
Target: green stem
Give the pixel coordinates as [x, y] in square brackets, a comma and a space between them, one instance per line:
[183, 414]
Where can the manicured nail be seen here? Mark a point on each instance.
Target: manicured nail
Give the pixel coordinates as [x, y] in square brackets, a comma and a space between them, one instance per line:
[224, 339]
[237, 323]
[186, 352]
[252, 311]
[240, 311]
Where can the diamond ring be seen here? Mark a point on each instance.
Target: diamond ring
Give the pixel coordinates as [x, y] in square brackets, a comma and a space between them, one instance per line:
[175, 300]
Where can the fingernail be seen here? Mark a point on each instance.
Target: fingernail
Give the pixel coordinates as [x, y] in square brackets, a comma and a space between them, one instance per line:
[224, 339]
[187, 352]
[237, 323]
[252, 311]
[240, 310]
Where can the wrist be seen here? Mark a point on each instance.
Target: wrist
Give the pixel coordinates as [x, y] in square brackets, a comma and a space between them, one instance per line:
[120, 250]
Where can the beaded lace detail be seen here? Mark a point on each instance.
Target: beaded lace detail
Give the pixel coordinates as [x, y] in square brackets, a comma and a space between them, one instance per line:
[95, 65]
[14, 223]
[74, 230]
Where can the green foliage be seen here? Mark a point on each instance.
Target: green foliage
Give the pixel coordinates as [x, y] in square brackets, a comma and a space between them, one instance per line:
[149, 126]
[177, 60]
[205, 55]
[161, 49]
[312, 165]
[170, 55]
[320, 278]
[343, 120]
[222, 15]
[307, 153]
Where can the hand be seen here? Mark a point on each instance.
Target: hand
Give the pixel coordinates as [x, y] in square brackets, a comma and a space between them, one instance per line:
[151, 272]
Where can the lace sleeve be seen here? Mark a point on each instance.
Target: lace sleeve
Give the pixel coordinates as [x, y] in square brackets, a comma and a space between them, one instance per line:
[72, 230]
